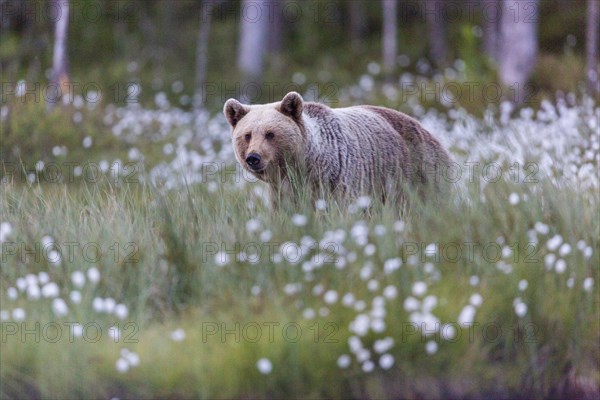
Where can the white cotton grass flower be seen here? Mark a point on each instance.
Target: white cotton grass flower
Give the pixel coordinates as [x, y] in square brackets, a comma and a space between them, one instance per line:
[299, 219]
[370, 249]
[366, 271]
[360, 305]
[109, 305]
[549, 260]
[431, 249]
[43, 278]
[368, 366]
[431, 347]
[309, 313]
[383, 345]
[378, 325]
[98, 304]
[363, 202]
[419, 288]
[330, 297]
[321, 204]
[222, 258]
[132, 358]
[447, 332]
[33, 292]
[386, 361]
[31, 279]
[47, 241]
[114, 333]
[59, 307]
[553, 243]
[513, 199]
[18, 314]
[50, 289]
[473, 280]
[429, 303]
[291, 289]
[564, 250]
[466, 316]
[121, 311]
[54, 258]
[355, 344]
[561, 266]
[122, 365]
[78, 279]
[523, 284]
[344, 361]
[5, 231]
[75, 296]
[264, 366]
[380, 230]
[178, 335]
[476, 299]
[348, 299]
[541, 228]
[588, 284]
[21, 284]
[363, 355]
[399, 226]
[392, 265]
[373, 285]
[411, 304]
[266, 235]
[390, 292]
[360, 325]
[12, 293]
[520, 307]
[93, 275]
[252, 225]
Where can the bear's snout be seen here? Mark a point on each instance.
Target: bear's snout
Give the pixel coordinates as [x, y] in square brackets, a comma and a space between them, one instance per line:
[253, 161]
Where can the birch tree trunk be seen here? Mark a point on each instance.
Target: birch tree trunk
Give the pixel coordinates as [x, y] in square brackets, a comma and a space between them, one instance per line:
[437, 32]
[253, 39]
[356, 28]
[591, 46]
[491, 13]
[518, 46]
[60, 61]
[389, 35]
[202, 53]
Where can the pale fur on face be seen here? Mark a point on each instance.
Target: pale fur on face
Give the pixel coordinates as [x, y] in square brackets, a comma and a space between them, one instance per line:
[265, 130]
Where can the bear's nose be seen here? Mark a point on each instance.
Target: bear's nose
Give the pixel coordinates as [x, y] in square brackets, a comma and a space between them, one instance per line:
[253, 160]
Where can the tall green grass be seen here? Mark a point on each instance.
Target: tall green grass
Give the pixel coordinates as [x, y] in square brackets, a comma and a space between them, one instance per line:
[169, 274]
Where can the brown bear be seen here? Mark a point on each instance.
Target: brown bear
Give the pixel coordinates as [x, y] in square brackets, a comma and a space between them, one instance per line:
[346, 152]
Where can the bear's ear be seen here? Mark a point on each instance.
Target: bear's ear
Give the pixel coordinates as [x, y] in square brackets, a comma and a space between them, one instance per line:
[292, 105]
[234, 111]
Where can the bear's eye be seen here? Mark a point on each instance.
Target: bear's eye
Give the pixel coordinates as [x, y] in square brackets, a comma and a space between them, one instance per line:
[247, 137]
[269, 135]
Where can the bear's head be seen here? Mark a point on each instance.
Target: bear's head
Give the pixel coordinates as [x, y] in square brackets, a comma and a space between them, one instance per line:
[267, 138]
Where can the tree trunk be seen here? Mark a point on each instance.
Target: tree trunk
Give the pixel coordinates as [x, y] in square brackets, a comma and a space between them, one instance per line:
[253, 39]
[202, 53]
[436, 29]
[518, 46]
[357, 24]
[275, 34]
[591, 45]
[491, 11]
[389, 35]
[60, 64]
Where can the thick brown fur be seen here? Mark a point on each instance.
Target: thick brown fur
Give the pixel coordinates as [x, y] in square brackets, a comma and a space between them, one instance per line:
[347, 152]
